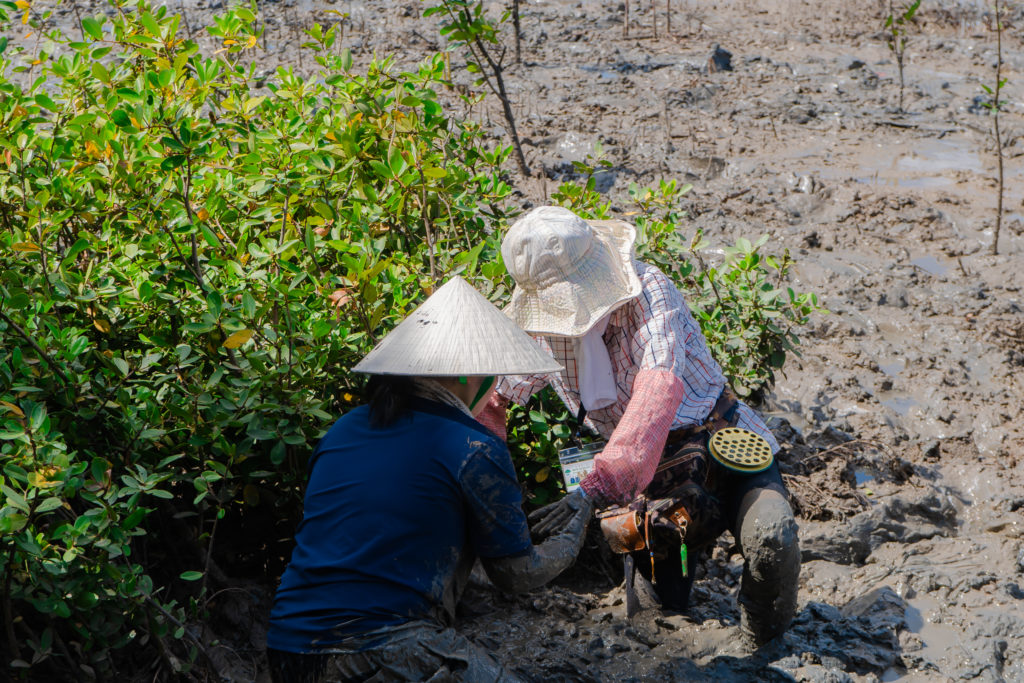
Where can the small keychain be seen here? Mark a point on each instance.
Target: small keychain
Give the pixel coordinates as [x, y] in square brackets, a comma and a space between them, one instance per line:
[684, 558]
[647, 541]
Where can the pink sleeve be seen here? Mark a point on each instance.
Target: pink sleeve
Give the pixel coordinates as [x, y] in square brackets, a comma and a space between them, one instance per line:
[493, 416]
[627, 464]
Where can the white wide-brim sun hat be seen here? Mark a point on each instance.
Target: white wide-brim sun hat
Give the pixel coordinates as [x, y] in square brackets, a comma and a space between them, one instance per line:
[569, 272]
[457, 332]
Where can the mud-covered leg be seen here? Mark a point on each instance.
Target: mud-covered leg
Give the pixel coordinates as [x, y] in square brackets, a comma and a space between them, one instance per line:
[767, 533]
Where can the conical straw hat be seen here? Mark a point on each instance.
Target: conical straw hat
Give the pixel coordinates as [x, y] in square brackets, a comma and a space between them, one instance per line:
[457, 332]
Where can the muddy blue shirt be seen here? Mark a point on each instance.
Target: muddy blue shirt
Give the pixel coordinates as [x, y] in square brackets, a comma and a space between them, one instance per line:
[390, 516]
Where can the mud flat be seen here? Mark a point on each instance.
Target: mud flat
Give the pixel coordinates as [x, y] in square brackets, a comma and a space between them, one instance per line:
[904, 416]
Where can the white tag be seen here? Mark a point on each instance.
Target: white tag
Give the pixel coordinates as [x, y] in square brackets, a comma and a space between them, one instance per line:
[577, 463]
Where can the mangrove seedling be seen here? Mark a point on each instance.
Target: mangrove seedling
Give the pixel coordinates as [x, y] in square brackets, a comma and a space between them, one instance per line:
[896, 27]
[995, 105]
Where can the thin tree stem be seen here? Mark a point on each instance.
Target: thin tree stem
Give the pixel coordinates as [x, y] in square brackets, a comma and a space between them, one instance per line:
[999, 137]
[42, 354]
[515, 25]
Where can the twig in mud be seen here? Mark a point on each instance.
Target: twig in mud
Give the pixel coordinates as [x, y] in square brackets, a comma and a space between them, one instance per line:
[184, 17]
[668, 128]
[846, 445]
[78, 18]
[896, 124]
[963, 270]
[734, 195]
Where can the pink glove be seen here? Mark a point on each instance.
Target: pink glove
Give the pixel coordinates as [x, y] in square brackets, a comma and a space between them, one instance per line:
[626, 466]
[493, 416]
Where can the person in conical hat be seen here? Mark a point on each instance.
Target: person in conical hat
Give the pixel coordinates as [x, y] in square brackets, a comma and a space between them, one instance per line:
[638, 372]
[404, 494]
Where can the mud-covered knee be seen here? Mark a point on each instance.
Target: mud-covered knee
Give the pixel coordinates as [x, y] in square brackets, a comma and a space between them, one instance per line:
[768, 531]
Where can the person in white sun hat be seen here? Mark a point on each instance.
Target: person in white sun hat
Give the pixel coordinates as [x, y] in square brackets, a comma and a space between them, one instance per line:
[638, 372]
[403, 495]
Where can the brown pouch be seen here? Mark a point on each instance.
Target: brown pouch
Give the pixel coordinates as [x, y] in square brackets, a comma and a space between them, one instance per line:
[671, 514]
[622, 531]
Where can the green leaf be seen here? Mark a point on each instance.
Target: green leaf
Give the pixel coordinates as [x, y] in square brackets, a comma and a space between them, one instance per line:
[149, 23]
[45, 102]
[14, 499]
[120, 118]
[172, 162]
[99, 469]
[191, 576]
[19, 301]
[49, 504]
[209, 236]
[100, 72]
[248, 305]
[121, 365]
[93, 28]
[434, 172]
[129, 94]
[215, 302]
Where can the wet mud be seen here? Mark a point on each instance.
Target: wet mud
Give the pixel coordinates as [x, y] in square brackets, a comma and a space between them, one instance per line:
[903, 418]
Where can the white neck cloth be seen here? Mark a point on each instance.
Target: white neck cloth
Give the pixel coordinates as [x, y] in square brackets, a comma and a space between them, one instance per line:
[594, 368]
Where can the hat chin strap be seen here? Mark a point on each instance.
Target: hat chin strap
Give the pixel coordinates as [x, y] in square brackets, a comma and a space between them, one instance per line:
[485, 386]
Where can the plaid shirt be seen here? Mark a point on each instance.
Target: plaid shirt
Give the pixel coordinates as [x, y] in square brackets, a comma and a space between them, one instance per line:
[653, 331]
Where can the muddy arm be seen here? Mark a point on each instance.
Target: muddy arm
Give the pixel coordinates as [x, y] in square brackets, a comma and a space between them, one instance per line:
[545, 561]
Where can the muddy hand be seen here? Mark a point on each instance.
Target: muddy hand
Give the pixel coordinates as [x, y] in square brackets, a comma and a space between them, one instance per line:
[550, 558]
[554, 516]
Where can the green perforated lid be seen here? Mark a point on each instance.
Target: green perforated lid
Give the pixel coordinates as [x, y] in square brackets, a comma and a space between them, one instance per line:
[741, 450]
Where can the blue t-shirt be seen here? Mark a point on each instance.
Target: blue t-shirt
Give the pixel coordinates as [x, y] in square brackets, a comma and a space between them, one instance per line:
[389, 514]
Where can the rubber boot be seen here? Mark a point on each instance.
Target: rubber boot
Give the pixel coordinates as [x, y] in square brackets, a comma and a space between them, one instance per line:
[672, 587]
[771, 564]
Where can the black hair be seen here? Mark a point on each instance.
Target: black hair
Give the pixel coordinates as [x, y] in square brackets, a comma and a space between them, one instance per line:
[389, 398]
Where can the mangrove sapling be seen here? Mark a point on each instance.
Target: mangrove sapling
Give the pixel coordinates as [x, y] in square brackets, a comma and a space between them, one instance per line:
[467, 25]
[896, 26]
[995, 105]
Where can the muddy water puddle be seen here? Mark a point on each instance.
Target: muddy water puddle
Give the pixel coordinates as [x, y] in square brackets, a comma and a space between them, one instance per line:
[893, 367]
[930, 265]
[921, 164]
[901, 404]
